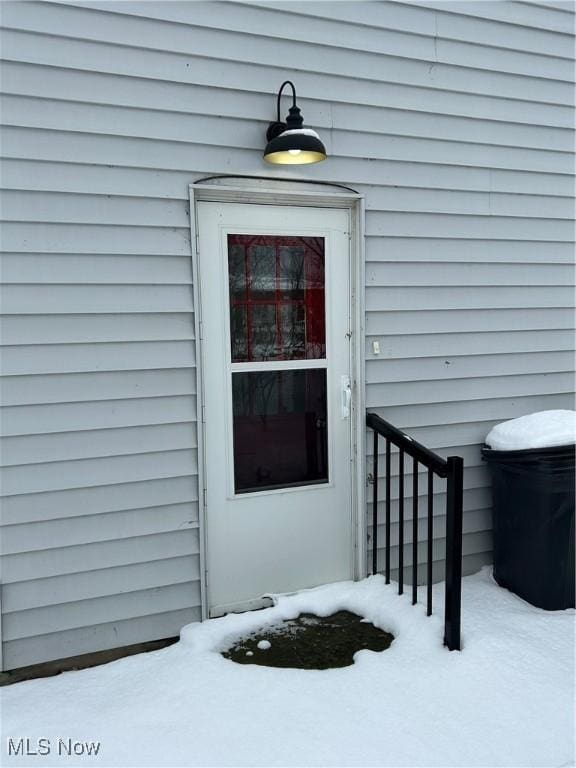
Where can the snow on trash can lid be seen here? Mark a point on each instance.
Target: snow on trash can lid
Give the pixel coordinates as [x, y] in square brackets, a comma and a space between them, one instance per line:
[544, 429]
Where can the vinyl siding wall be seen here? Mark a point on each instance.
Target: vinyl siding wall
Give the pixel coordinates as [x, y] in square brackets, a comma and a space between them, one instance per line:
[453, 119]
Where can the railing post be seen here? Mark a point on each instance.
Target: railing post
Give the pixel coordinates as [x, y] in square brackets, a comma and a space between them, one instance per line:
[400, 522]
[375, 505]
[454, 508]
[430, 542]
[414, 532]
[388, 524]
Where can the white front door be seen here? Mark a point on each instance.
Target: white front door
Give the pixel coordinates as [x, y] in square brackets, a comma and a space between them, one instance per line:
[275, 338]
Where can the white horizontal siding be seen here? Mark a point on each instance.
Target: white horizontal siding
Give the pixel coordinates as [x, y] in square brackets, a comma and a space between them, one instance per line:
[85, 473]
[39, 564]
[466, 343]
[244, 17]
[29, 537]
[411, 17]
[247, 67]
[84, 328]
[472, 297]
[35, 448]
[488, 409]
[459, 367]
[31, 164]
[87, 209]
[53, 505]
[98, 637]
[100, 357]
[431, 398]
[118, 607]
[455, 122]
[58, 269]
[461, 202]
[93, 415]
[469, 319]
[174, 150]
[83, 387]
[56, 590]
[168, 127]
[74, 24]
[171, 105]
[516, 14]
[471, 207]
[461, 273]
[39, 237]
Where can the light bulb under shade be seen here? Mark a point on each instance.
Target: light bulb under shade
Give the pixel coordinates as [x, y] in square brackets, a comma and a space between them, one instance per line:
[295, 147]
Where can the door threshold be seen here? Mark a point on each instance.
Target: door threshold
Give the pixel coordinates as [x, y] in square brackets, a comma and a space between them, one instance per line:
[257, 604]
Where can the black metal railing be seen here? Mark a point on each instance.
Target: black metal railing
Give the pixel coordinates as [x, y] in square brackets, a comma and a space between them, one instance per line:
[452, 469]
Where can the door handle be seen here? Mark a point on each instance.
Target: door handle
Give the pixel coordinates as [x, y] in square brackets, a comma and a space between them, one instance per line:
[346, 393]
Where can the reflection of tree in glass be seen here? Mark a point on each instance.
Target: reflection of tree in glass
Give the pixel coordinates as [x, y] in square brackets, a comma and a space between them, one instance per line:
[266, 393]
[237, 271]
[277, 297]
[261, 273]
[238, 333]
[292, 277]
[264, 332]
[256, 394]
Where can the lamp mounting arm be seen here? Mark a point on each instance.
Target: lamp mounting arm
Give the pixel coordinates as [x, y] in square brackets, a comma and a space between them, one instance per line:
[284, 84]
[293, 120]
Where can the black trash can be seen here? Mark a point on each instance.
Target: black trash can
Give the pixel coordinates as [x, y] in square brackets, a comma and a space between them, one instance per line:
[533, 513]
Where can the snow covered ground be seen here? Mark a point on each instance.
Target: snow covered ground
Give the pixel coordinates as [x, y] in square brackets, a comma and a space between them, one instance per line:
[505, 700]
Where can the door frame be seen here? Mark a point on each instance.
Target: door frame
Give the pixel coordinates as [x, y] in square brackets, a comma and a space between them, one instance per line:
[278, 192]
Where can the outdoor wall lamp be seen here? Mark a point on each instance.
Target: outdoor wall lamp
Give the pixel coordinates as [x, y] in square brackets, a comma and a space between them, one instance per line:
[290, 143]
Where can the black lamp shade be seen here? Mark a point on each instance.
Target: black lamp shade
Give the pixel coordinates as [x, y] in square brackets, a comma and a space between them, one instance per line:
[291, 143]
[295, 147]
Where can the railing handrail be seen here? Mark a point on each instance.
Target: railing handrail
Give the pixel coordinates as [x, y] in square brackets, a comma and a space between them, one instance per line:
[452, 469]
[408, 444]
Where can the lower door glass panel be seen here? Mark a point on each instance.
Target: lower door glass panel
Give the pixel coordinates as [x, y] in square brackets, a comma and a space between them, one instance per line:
[280, 429]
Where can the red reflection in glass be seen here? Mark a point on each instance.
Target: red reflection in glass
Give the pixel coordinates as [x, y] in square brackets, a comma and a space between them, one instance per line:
[276, 286]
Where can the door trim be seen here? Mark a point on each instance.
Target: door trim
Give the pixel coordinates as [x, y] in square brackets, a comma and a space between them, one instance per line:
[290, 193]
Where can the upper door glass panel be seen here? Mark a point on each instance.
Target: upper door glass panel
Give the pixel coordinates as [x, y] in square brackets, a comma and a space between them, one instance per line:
[277, 303]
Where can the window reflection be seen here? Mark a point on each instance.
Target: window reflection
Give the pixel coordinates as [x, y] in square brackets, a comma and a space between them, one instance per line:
[280, 435]
[276, 297]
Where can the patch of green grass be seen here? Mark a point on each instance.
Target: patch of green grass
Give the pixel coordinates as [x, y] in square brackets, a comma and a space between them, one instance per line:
[310, 642]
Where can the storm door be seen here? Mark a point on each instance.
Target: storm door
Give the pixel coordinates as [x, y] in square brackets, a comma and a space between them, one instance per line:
[275, 314]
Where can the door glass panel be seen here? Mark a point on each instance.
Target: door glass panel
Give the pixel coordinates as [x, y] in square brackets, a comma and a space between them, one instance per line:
[277, 302]
[280, 432]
